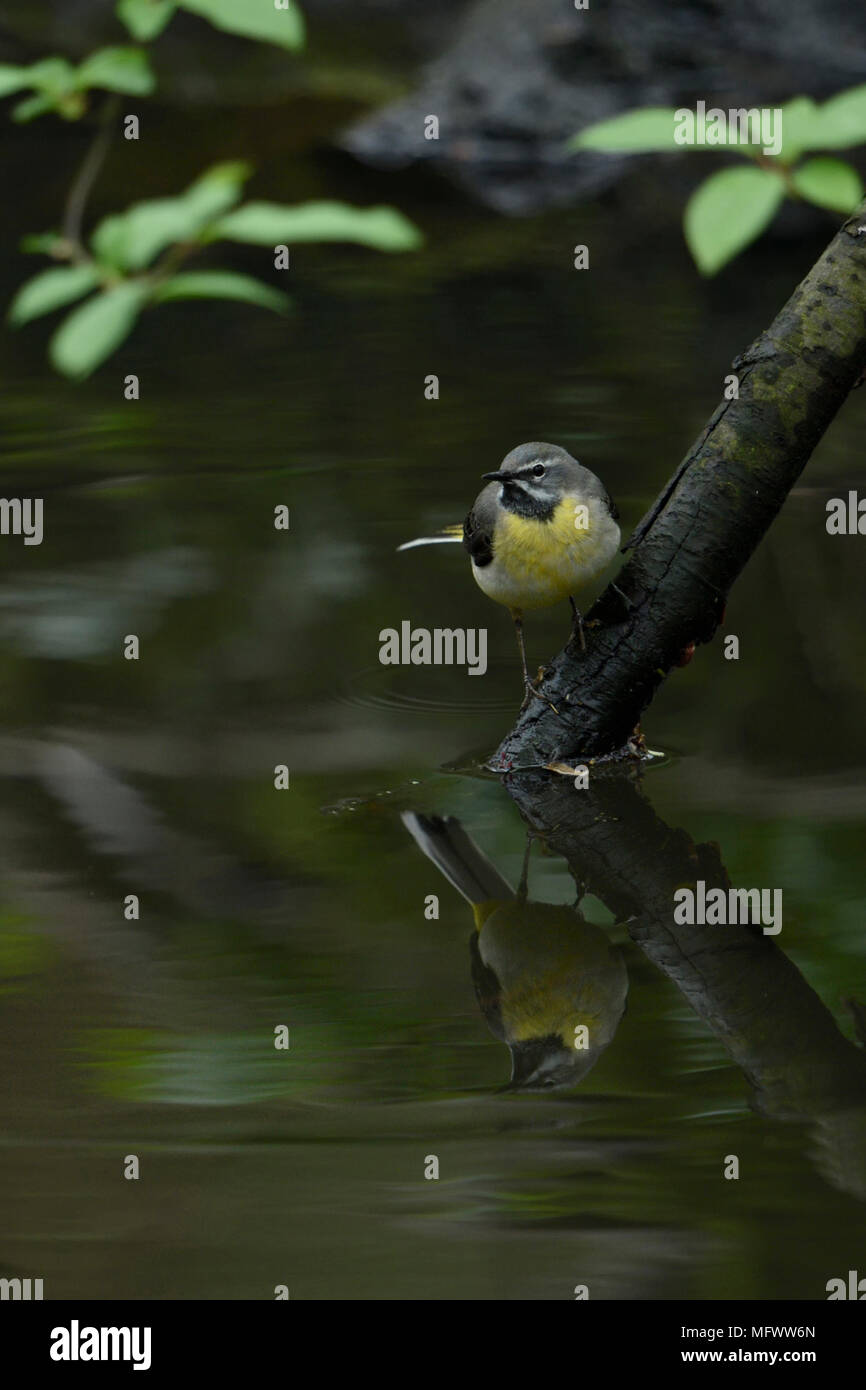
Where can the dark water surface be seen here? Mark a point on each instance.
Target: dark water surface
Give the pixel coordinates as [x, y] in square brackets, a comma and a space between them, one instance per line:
[306, 908]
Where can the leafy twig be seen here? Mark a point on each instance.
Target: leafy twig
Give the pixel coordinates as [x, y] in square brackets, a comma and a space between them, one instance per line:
[82, 186]
[172, 260]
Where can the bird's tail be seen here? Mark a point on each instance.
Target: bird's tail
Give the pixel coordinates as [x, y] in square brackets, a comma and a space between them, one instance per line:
[447, 844]
[448, 535]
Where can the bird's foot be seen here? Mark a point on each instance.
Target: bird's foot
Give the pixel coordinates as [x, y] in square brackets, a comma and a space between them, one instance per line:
[580, 629]
[636, 742]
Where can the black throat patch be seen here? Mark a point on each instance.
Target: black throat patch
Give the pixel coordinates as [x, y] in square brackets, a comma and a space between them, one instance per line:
[516, 499]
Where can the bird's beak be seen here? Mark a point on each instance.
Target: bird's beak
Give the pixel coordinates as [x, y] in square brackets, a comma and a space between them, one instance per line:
[527, 1056]
[494, 477]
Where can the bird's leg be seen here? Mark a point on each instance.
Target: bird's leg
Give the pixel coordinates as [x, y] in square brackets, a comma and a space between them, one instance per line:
[531, 691]
[523, 885]
[518, 628]
[577, 624]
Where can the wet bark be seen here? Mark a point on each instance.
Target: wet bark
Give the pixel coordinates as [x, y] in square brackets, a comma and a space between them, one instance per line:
[709, 518]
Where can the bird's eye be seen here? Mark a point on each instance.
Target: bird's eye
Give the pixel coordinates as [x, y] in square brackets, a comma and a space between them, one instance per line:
[538, 470]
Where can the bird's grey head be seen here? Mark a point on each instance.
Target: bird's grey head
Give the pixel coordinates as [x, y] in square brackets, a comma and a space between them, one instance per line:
[534, 478]
[541, 1064]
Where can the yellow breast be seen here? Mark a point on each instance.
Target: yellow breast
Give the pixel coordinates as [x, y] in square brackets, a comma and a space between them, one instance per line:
[536, 563]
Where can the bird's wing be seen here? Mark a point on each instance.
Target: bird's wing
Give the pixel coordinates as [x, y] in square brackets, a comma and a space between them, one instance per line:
[488, 990]
[610, 504]
[448, 535]
[478, 527]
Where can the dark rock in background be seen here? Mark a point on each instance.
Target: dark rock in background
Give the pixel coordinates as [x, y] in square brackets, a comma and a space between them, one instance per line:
[521, 76]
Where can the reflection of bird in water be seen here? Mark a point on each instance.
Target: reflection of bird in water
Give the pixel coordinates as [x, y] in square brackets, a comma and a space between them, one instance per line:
[550, 984]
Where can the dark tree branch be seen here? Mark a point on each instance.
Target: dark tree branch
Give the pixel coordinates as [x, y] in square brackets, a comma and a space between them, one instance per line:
[698, 535]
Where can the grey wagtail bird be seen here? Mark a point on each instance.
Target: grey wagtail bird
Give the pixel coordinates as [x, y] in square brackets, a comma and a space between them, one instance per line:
[542, 530]
[550, 985]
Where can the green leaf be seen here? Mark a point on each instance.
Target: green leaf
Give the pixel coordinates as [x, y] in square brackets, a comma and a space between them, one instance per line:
[130, 240]
[118, 70]
[110, 237]
[48, 75]
[50, 290]
[14, 79]
[787, 129]
[255, 19]
[728, 211]
[44, 243]
[53, 81]
[841, 122]
[799, 122]
[270, 224]
[53, 75]
[217, 190]
[145, 19]
[222, 284]
[31, 107]
[648, 128]
[58, 86]
[830, 183]
[91, 333]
